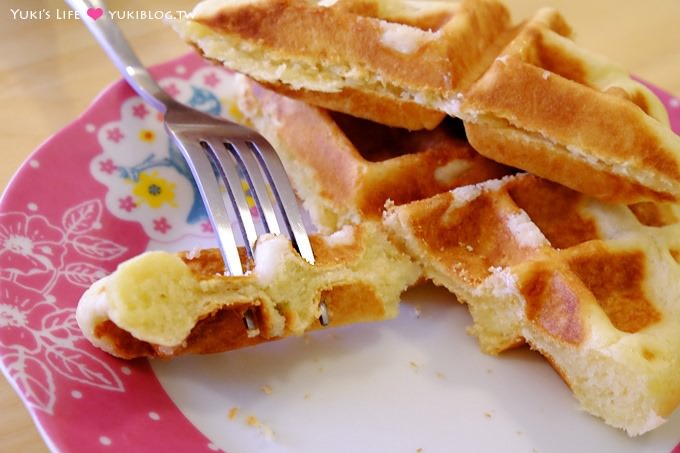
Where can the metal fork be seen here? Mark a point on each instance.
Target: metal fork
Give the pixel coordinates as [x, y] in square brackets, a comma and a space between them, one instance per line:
[215, 150]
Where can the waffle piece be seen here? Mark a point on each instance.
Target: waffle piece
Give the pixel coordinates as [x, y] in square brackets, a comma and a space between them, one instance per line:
[396, 62]
[162, 304]
[591, 286]
[345, 168]
[555, 110]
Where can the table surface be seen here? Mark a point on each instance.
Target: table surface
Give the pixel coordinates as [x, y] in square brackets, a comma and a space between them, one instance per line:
[51, 70]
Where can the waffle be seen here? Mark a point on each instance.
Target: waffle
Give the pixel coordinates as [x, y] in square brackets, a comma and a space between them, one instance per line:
[591, 286]
[345, 168]
[355, 56]
[555, 110]
[162, 304]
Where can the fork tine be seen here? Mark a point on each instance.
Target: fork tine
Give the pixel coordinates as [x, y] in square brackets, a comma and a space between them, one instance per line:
[228, 168]
[207, 154]
[208, 186]
[284, 195]
[258, 187]
[272, 167]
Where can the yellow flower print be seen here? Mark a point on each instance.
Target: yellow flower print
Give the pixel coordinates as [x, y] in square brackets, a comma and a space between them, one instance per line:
[246, 188]
[234, 112]
[154, 190]
[147, 135]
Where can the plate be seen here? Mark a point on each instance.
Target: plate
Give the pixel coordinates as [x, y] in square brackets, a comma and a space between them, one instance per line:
[109, 187]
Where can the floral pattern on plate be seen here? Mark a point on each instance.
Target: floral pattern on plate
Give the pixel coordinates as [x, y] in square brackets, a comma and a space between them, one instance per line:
[97, 193]
[41, 338]
[147, 179]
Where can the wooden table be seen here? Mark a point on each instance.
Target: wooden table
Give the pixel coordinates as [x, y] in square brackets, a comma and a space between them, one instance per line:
[50, 70]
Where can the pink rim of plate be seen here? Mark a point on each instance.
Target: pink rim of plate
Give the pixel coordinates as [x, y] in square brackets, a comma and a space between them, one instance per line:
[56, 237]
[80, 398]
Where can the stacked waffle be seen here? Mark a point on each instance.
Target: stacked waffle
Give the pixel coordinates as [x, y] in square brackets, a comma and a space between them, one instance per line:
[584, 268]
[400, 63]
[551, 108]
[529, 96]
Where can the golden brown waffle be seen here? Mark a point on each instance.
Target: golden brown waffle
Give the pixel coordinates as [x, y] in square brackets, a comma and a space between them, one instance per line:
[345, 168]
[551, 108]
[396, 62]
[531, 98]
[592, 286]
[162, 304]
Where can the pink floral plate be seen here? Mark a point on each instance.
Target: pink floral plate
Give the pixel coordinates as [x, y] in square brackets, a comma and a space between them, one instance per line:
[111, 186]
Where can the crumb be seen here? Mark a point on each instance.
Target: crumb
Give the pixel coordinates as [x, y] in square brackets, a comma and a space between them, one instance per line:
[441, 375]
[488, 414]
[233, 412]
[321, 370]
[307, 396]
[419, 450]
[415, 366]
[267, 389]
[519, 433]
[253, 421]
[489, 371]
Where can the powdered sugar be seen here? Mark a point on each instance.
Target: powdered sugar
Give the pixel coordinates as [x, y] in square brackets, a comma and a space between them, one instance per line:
[404, 39]
[466, 194]
[526, 233]
[344, 236]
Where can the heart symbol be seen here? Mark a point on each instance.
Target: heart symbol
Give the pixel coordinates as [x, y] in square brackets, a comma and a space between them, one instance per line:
[95, 13]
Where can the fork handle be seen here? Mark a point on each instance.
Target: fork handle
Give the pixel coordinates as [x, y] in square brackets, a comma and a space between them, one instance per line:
[111, 39]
